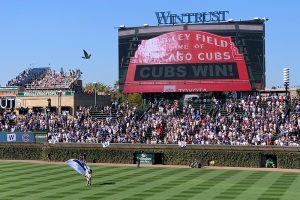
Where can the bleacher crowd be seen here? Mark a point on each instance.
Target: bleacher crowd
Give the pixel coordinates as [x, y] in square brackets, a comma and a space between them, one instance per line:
[254, 120]
[27, 76]
[45, 78]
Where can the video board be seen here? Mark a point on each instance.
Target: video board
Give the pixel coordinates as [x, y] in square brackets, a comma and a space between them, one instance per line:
[192, 58]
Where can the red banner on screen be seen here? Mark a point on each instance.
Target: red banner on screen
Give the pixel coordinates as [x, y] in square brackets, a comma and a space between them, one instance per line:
[187, 61]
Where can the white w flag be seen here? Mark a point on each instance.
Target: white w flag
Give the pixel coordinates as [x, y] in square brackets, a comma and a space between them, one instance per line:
[78, 166]
[105, 144]
[11, 137]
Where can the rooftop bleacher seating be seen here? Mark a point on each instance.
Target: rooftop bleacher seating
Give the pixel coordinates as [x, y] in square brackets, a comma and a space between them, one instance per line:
[27, 76]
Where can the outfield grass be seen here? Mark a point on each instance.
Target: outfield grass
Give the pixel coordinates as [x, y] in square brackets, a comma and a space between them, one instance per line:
[57, 181]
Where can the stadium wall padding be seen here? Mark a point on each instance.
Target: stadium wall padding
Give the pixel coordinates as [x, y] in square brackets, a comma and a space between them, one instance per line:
[235, 156]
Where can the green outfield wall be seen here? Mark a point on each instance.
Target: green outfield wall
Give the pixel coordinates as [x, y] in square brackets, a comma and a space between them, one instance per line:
[236, 156]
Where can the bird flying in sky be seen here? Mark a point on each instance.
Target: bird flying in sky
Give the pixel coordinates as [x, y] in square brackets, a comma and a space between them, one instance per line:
[86, 55]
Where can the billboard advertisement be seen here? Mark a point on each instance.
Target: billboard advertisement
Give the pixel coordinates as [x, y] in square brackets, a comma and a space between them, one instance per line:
[187, 61]
[7, 102]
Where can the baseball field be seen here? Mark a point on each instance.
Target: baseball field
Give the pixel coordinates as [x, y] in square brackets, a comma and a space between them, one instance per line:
[35, 181]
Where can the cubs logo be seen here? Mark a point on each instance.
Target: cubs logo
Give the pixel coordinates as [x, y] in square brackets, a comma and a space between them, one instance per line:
[25, 137]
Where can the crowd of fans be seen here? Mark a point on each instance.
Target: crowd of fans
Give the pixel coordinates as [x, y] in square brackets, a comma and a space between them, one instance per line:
[46, 78]
[269, 120]
[19, 78]
[55, 80]
[27, 76]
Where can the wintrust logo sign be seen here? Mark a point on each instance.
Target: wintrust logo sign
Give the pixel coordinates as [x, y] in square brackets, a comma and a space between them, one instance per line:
[198, 17]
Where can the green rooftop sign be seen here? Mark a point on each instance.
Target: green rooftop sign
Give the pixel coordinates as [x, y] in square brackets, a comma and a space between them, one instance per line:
[33, 93]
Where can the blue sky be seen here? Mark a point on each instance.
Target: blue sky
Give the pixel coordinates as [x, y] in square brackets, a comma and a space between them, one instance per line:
[39, 33]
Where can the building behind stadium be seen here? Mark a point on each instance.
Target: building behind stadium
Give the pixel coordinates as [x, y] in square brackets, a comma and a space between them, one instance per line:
[45, 90]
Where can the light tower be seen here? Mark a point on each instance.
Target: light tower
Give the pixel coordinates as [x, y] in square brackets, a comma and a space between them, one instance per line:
[286, 79]
[95, 92]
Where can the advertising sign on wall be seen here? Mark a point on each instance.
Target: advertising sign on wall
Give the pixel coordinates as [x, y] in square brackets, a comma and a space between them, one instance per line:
[146, 158]
[7, 102]
[17, 137]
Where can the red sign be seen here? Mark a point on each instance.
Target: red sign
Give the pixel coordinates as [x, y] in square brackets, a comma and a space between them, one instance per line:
[187, 61]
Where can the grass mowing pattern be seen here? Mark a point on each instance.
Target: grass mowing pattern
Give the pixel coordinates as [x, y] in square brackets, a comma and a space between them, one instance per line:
[51, 182]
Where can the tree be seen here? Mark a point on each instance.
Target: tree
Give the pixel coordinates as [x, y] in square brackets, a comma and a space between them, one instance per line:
[298, 92]
[100, 87]
[135, 100]
[117, 95]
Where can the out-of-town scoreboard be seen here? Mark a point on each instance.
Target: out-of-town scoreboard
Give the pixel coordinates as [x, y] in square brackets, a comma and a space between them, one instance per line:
[184, 53]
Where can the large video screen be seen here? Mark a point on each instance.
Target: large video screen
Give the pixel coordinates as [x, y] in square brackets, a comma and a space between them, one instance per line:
[192, 60]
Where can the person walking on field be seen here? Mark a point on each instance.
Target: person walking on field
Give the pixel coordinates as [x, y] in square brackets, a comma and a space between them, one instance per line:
[88, 176]
[49, 157]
